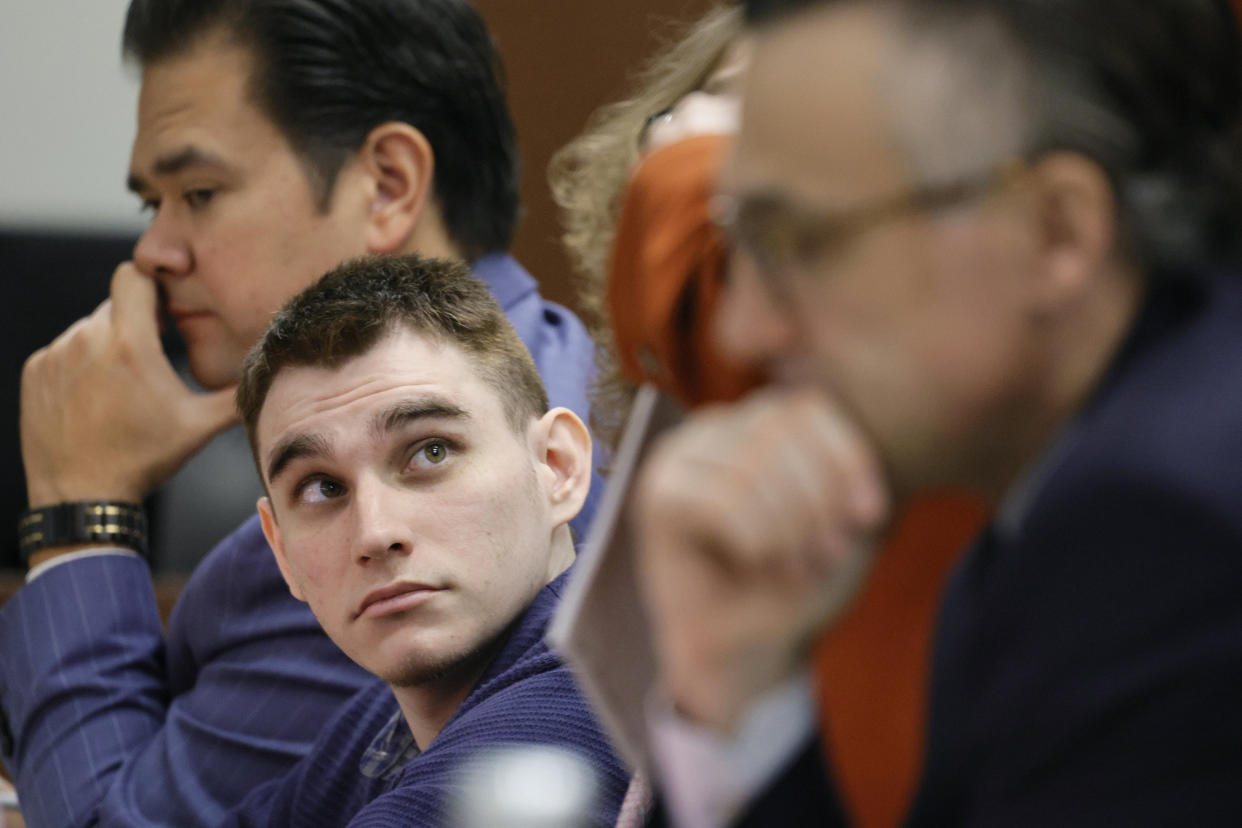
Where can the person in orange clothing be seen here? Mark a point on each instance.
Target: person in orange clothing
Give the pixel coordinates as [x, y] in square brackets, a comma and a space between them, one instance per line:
[689, 87]
[651, 265]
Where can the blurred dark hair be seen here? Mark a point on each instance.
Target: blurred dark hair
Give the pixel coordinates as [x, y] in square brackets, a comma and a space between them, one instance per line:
[1150, 90]
[355, 305]
[326, 72]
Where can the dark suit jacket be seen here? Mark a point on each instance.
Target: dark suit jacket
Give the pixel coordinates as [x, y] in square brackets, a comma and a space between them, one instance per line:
[1088, 657]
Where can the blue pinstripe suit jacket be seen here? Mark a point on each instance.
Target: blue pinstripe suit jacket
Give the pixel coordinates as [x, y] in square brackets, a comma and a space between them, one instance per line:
[113, 723]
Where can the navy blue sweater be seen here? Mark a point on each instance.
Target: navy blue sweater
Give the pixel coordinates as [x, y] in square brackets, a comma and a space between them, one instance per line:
[526, 696]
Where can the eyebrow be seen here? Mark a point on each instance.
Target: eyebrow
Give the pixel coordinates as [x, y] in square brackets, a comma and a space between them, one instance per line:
[409, 411]
[292, 448]
[178, 161]
[297, 446]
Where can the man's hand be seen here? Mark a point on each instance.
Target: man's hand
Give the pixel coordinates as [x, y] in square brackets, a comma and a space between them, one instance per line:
[103, 414]
[754, 527]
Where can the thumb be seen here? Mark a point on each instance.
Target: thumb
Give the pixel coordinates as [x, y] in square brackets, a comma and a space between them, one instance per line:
[135, 302]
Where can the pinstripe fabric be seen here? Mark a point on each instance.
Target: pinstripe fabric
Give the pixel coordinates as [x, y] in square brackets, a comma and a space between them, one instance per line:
[526, 696]
[114, 724]
[108, 726]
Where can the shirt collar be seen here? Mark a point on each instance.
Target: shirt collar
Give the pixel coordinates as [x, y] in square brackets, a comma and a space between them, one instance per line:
[507, 279]
[1020, 497]
[390, 750]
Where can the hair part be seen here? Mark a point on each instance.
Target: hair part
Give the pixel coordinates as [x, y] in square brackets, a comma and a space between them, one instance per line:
[358, 304]
[327, 72]
[1151, 92]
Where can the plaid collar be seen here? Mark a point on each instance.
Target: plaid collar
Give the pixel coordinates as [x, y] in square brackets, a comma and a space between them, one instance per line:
[390, 750]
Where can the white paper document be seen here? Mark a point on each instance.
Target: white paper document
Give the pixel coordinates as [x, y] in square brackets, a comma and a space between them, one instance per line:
[601, 627]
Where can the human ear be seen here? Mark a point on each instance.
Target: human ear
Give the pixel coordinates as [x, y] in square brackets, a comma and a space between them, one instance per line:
[563, 446]
[1076, 215]
[271, 531]
[400, 165]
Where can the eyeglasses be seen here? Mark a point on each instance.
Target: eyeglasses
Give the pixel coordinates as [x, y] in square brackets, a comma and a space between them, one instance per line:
[782, 238]
[663, 117]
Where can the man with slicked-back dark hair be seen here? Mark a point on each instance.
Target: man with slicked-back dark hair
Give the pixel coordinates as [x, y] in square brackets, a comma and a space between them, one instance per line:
[275, 139]
[992, 245]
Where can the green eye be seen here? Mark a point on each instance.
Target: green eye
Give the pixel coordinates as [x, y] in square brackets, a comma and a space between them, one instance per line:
[430, 453]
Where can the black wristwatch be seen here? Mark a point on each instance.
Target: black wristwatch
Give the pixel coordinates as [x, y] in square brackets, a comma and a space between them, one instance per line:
[83, 521]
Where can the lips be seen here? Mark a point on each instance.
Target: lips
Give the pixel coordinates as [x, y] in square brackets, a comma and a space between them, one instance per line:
[394, 598]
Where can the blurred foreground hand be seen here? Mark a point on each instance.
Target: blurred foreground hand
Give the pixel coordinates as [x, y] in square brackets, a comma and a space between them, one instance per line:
[754, 526]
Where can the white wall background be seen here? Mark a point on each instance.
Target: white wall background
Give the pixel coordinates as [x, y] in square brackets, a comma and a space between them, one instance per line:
[66, 116]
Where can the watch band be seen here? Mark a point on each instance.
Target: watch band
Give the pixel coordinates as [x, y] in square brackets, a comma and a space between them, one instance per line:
[83, 521]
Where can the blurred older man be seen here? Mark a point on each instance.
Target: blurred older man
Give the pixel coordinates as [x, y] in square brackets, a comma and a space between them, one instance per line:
[989, 245]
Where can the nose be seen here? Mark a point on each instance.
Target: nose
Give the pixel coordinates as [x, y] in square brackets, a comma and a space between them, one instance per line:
[380, 529]
[751, 326]
[163, 250]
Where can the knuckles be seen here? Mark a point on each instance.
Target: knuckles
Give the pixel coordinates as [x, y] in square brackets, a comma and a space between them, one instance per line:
[725, 520]
[33, 367]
